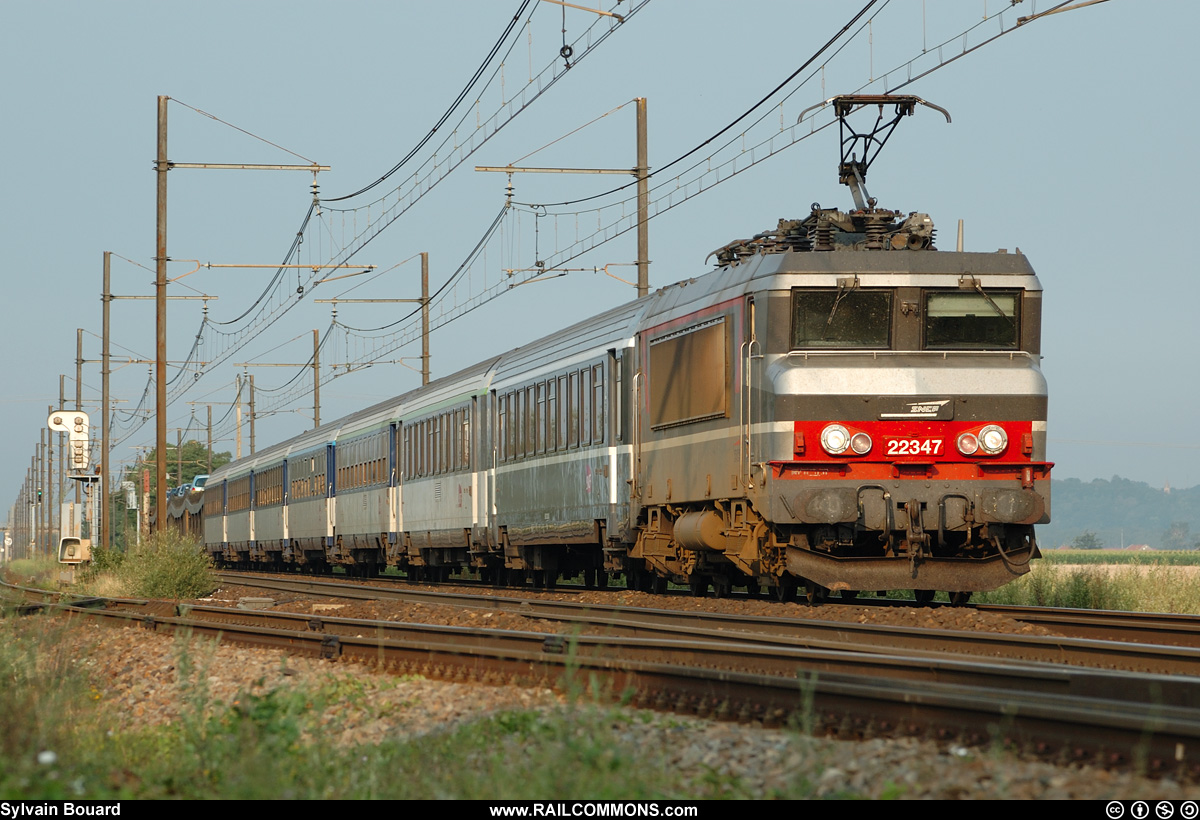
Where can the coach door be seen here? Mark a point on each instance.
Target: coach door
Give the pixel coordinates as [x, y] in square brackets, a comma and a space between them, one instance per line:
[330, 492]
[395, 516]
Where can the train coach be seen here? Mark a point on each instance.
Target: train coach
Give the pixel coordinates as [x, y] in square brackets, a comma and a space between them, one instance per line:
[837, 406]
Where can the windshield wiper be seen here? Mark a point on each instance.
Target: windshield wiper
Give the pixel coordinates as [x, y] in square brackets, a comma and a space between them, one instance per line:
[979, 289]
[845, 287]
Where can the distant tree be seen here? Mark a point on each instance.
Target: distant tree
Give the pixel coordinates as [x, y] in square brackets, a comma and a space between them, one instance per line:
[1178, 537]
[1087, 540]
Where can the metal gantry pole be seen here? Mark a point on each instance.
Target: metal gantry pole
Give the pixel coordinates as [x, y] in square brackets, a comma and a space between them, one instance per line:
[31, 515]
[78, 397]
[424, 318]
[251, 415]
[316, 379]
[209, 440]
[105, 522]
[238, 454]
[160, 302]
[643, 202]
[50, 481]
[42, 537]
[62, 467]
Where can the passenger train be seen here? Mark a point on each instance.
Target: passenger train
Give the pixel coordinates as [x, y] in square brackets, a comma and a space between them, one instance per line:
[837, 406]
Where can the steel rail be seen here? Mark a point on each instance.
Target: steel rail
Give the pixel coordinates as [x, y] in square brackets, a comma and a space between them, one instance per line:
[1143, 627]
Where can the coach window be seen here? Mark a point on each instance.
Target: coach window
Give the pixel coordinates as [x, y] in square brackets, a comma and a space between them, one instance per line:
[530, 421]
[844, 317]
[551, 415]
[585, 406]
[542, 417]
[972, 319]
[573, 409]
[598, 404]
[464, 438]
[564, 412]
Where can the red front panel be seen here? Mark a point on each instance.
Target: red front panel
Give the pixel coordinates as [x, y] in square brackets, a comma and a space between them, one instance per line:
[912, 449]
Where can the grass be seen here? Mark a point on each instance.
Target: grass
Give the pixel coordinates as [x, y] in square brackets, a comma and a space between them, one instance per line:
[41, 573]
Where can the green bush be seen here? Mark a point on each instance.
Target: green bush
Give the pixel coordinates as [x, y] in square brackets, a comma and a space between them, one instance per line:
[106, 560]
[167, 565]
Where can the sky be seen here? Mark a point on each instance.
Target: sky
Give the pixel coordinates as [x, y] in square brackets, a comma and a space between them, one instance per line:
[1068, 141]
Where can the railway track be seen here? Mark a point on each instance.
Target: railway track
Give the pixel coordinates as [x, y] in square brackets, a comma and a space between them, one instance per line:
[1112, 717]
[1165, 629]
[1163, 657]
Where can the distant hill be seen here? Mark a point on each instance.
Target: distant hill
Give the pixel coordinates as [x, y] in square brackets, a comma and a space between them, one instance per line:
[1120, 512]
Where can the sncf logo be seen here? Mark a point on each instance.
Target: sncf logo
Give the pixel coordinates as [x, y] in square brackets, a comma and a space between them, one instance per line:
[927, 407]
[917, 410]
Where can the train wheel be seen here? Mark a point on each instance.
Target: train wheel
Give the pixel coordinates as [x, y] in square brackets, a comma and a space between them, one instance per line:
[698, 585]
[640, 579]
[815, 593]
[924, 596]
[721, 586]
[784, 591]
[658, 584]
[589, 579]
[601, 579]
[959, 598]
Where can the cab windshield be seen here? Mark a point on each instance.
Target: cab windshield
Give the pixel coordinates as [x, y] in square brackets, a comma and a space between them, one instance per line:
[972, 319]
[841, 318]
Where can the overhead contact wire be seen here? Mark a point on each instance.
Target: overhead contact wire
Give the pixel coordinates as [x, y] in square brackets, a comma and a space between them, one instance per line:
[462, 95]
[741, 117]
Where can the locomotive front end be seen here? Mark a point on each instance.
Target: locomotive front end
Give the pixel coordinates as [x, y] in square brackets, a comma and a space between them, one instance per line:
[908, 419]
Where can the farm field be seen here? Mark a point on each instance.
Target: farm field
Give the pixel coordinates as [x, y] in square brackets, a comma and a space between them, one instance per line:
[1153, 581]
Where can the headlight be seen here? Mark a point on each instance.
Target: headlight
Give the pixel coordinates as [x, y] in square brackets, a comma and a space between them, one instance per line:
[993, 439]
[860, 443]
[835, 439]
[968, 444]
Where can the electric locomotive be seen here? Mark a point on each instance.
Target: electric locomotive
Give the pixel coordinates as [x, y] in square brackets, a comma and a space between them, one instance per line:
[841, 406]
